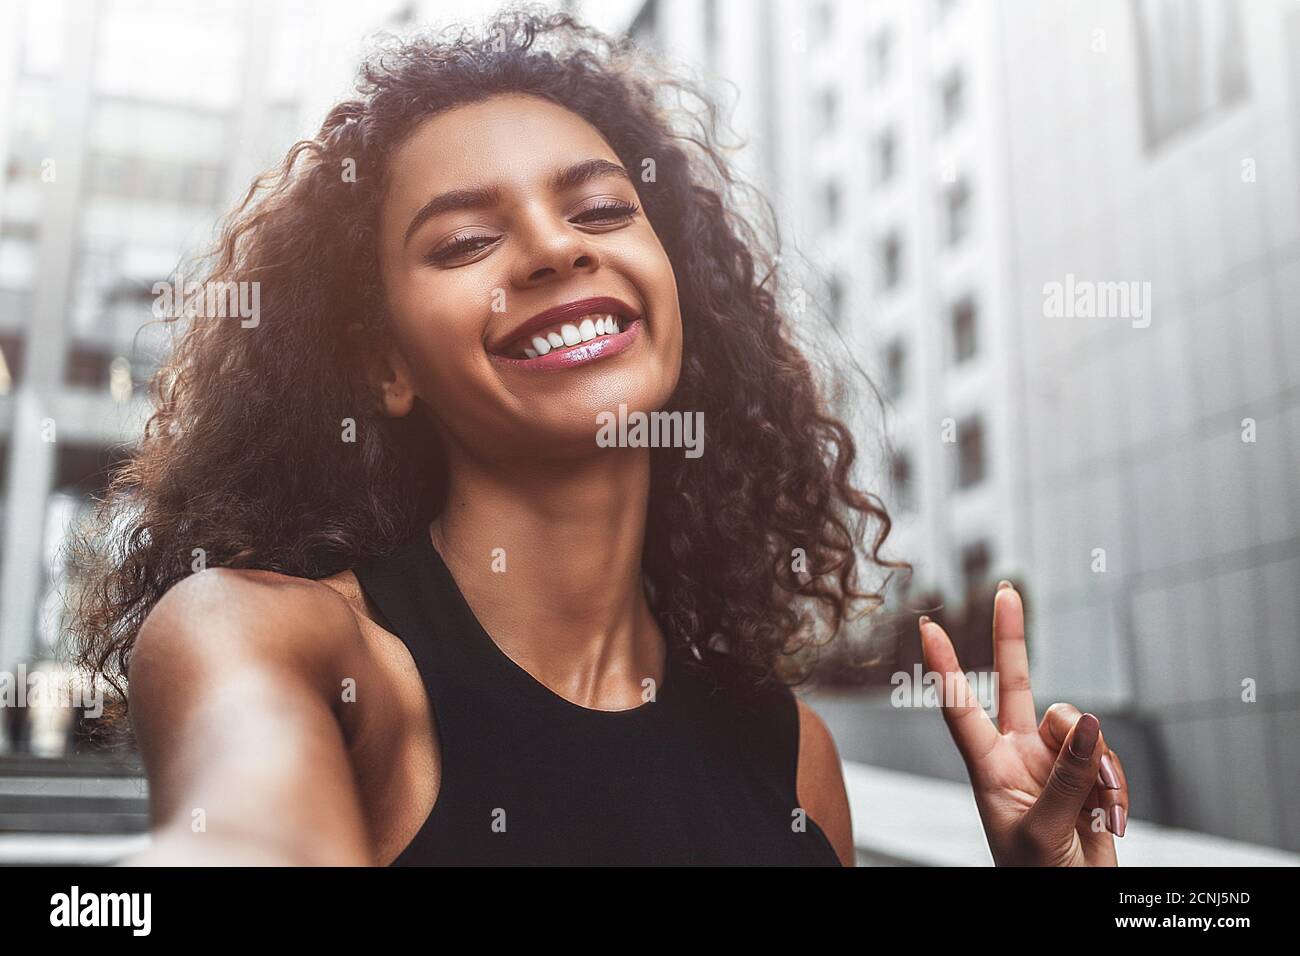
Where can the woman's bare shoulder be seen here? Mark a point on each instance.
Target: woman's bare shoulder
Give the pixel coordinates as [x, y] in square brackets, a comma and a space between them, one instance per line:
[820, 785]
[234, 613]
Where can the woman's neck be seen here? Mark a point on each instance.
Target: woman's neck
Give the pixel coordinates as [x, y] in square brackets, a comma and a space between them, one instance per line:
[548, 555]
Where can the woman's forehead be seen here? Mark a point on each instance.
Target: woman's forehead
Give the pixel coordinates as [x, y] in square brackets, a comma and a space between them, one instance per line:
[506, 139]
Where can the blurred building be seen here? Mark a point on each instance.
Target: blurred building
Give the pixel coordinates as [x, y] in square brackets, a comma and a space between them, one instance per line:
[896, 159]
[945, 165]
[129, 126]
[1158, 143]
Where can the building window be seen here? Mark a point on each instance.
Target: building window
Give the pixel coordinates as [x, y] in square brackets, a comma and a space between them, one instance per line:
[900, 476]
[895, 369]
[952, 99]
[827, 108]
[885, 156]
[138, 178]
[711, 31]
[109, 175]
[201, 185]
[1192, 63]
[880, 55]
[957, 203]
[891, 262]
[976, 566]
[124, 292]
[825, 23]
[87, 366]
[830, 205]
[971, 463]
[964, 343]
[835, 293]
[17, 256]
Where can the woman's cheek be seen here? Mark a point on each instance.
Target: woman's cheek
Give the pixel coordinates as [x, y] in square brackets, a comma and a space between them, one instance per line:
[457, 375]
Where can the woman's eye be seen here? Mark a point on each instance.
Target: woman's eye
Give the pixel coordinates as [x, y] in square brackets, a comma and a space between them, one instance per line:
[459, 248]
[608, 212]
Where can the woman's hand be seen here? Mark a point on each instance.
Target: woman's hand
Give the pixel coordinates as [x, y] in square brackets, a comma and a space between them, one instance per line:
[1049, 794]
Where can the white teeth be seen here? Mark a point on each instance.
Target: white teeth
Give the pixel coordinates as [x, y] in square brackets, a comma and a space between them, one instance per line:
[569, 334]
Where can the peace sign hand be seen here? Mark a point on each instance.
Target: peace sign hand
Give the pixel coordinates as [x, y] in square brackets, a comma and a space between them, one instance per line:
[1050, 794]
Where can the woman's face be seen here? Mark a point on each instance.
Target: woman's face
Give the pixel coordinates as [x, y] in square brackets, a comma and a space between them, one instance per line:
[496, 214]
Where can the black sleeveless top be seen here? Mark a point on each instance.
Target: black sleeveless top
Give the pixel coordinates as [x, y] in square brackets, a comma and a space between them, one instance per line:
[700, 775]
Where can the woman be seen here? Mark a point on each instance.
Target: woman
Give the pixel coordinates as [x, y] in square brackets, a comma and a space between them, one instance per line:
[434, 619]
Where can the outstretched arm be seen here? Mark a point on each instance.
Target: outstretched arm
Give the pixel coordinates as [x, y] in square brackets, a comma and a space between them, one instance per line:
[233, 683]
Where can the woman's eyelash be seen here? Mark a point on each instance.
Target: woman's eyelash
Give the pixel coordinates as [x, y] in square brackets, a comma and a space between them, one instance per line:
[624, 210]
[454, 249]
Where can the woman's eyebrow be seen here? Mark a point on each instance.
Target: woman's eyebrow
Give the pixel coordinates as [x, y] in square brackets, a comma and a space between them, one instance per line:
[481, 197]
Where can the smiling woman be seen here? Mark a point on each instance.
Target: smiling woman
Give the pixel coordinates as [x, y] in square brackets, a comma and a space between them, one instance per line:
[475, 633]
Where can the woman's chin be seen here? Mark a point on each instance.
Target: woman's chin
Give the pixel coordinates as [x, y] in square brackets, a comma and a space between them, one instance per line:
[598, 427]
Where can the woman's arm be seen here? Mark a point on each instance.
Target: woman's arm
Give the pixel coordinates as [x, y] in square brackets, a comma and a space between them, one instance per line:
[234, 682]
[820, 783]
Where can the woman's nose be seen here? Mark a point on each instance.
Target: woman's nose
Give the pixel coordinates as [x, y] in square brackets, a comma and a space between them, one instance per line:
[551, 248]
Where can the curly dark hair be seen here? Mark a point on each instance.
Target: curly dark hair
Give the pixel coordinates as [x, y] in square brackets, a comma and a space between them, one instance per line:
[241, 455]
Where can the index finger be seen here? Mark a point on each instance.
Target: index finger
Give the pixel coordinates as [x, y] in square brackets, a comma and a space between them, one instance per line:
[970, 726]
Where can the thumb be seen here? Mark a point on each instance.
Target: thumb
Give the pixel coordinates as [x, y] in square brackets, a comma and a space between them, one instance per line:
[1073, 775]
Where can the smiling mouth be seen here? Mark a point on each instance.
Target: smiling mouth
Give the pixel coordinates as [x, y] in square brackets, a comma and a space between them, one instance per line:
[566, 344]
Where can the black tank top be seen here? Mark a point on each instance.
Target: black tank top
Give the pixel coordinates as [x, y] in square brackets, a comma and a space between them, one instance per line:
[701, 775]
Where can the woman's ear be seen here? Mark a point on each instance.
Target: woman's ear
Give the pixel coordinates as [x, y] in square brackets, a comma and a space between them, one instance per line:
[395, 385]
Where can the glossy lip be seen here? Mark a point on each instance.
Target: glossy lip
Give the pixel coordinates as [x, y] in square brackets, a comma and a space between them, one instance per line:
[562, 313]
[575, 355]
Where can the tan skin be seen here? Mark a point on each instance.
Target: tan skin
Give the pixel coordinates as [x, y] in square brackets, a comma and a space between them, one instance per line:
[237, 676]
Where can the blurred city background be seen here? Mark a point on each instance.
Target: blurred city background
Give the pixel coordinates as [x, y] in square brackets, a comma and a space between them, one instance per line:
[936, 165]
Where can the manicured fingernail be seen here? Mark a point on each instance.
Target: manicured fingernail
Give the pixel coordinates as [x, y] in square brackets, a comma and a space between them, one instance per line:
[1109, 778]
[1118, 818]
[1084, 741]
[1004, 584]
[923, 621]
